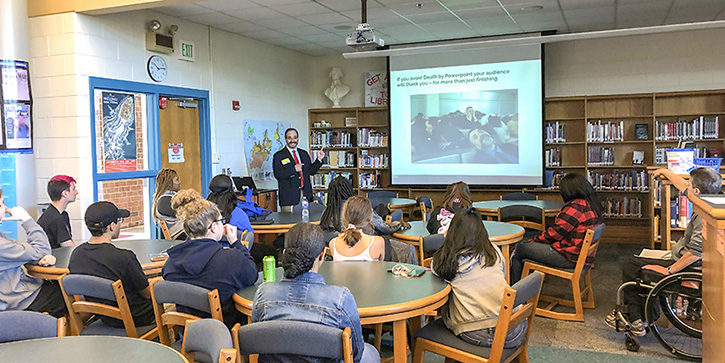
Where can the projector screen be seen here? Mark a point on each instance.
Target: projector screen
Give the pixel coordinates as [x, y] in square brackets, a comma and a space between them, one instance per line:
[471, 115]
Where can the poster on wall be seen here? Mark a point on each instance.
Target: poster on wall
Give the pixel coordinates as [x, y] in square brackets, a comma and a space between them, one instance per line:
[118, 130]
[176, 153]
[15, 84]
[18, 132]
[261, 140]
[376, 89]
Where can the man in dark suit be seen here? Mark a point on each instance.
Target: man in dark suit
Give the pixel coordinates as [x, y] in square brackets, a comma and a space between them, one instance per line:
[292, 169]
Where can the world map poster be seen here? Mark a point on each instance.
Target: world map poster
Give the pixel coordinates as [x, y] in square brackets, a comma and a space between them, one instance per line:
[261, 140]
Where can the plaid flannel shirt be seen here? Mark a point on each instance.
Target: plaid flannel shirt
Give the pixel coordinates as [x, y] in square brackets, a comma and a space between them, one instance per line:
[570, 227]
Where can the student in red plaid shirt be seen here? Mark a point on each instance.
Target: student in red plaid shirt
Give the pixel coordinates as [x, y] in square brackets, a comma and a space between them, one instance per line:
[559, 245]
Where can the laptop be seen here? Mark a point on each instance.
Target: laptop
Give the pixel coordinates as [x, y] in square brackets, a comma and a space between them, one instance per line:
[241, 182]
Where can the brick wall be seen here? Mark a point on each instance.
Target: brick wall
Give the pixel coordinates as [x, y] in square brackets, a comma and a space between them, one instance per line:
[125, 194]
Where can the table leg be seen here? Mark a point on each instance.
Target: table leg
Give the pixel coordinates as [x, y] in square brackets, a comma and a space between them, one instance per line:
[400, 342]
[507, 260]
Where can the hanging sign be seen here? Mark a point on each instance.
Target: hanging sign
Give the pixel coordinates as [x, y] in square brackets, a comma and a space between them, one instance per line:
[176, 153]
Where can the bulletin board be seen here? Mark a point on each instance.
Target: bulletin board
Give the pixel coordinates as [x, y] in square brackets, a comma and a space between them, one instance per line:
[16, 106]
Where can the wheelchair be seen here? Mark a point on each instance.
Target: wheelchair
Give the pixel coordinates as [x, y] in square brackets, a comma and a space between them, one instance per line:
[679, 326]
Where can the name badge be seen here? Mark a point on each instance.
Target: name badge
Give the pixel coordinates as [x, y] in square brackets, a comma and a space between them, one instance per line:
[285, 161]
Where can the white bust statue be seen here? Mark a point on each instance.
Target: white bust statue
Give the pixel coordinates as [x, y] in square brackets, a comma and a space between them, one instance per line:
[337, 90]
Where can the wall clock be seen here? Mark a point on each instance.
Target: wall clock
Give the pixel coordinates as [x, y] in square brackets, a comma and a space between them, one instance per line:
[156, 67]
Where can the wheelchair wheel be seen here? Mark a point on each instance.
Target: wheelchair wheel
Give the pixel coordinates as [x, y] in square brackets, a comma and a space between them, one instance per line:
[631, 342]
[679, 329]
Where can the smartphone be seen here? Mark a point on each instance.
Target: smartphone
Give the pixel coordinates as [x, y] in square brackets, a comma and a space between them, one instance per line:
[417, 272]
[155, 257]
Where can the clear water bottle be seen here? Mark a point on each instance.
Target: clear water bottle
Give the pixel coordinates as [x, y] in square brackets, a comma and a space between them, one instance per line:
[305, 211]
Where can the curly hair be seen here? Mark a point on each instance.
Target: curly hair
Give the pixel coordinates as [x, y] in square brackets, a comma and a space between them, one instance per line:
[303, 243]
[358, 212]
[164, 182]
[339, 190]
[195, 212]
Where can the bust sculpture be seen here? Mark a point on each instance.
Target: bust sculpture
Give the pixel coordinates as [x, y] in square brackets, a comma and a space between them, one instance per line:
[337, 90]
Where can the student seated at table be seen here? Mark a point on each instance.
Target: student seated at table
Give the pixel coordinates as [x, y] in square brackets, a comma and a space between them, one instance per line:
[559, 245]
[686, 252]
[457, 197]
[476, 271]
[99, 257]
[202, 260]
[353, 244]
[303, 296]
[55, 220]
[167, 185]
[19, 291]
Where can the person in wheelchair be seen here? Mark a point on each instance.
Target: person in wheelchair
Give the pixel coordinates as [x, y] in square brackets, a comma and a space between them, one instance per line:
[685, 254]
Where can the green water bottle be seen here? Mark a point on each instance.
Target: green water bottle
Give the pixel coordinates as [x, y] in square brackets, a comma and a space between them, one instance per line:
[269, 264]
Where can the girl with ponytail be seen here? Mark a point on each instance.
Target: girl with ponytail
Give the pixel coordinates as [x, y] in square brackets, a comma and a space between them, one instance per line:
[353, 244]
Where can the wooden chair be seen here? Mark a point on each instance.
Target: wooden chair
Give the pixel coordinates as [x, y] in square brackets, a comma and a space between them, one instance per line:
[417, 242]
[210, 337]
[164, 229]
[30, 325]
[437, 338]
[425, 205]
[588, 251]
[519, 196]
[526, 216]
[76, 288]
[179, 293]
[293, 338]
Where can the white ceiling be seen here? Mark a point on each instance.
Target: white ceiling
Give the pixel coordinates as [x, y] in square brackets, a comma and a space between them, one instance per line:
[319, 27]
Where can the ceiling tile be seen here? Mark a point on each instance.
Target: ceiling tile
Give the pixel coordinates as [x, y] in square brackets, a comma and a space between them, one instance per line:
[305, 30]
[432, 18]
[212, 19]
[480, 13]
[279, 2]
[183, 10]
[579, 4]
[281, 23]
[265, 34]
[373, 14]
[390, 3]
[347, 5]
[240, 27]
[411, 9]
[226, 5]
[309, 8]
[255, 14]
[320, 19]
[284, 40]
[322, 38]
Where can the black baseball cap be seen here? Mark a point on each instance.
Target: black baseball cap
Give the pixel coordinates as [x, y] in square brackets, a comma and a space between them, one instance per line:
[101, 214]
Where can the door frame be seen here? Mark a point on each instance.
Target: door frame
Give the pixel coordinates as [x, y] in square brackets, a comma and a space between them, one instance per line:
[153, 91]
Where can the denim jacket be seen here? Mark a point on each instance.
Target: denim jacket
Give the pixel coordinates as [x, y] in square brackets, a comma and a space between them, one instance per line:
[307, 298]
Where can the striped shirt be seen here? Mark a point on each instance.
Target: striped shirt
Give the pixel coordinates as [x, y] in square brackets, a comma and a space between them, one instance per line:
[570, 227]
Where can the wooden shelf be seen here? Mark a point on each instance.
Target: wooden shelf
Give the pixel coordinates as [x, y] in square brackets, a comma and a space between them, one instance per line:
[332, 128]
[565, 119]
[372, 147]
[565, 143]
[616, 166]
[619, 142]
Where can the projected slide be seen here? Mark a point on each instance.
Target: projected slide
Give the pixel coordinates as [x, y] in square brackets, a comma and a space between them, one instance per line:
[479, 123]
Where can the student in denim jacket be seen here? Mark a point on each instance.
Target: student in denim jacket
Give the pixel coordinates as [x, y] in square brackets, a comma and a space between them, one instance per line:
[303, 296]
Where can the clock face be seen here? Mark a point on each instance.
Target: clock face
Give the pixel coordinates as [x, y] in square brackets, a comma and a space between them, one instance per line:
[156, 68]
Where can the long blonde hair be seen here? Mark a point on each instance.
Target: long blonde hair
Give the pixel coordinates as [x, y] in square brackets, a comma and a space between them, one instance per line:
[164, 182]
[194, 211]
[357, 215]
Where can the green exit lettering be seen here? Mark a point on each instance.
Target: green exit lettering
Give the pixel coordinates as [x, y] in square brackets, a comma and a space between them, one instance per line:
[187, 50]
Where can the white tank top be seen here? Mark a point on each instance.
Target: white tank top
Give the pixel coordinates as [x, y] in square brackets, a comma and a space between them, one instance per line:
[364, 256]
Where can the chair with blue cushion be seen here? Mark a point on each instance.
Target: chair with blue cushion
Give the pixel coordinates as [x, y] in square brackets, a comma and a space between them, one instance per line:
[76, 288]
[588, 250]
[518, 196]
[29, 325]
[532, 218]
[437, 338]
[296, 338]
[396, 215]
[424, 206]
[377, 194]
[209, 337]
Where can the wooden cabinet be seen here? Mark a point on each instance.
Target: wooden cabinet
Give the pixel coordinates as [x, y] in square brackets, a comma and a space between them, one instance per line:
[266, 199]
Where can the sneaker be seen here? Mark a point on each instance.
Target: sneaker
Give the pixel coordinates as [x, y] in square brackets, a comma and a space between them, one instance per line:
[638, 328]
[611, 319]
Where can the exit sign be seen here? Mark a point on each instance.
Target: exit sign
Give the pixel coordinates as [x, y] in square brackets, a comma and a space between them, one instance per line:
[187, 50]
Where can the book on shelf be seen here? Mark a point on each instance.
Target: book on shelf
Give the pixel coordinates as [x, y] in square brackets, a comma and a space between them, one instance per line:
[637, 157]
[553, 157]
[322, 180]
[600, 155]
[368, 137]
[680, 212]
[333, 138]
[370, 180]
[340, 159]
[605, 132]
[372, 160]
[350, 121]
[635, 180]
[555, 132]
[703, 127]
[641, 132]
[622, 207]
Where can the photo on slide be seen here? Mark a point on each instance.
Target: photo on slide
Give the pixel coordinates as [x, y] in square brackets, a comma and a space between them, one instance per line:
[474, 127]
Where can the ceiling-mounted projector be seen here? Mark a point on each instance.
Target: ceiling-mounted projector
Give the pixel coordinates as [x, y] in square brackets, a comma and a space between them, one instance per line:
[364, 38]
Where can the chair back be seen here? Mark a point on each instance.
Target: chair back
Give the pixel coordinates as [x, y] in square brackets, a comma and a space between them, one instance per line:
[415, 241]
[425, 205]
[180, 293]
[285, 337]
[208, 336]
[76, 288]
[524, 293]
[24, 325]
[526, 216]
[382, 194]
[590, 245]
[518, 196]
[433, 242]
[164, 229]
[396, 215]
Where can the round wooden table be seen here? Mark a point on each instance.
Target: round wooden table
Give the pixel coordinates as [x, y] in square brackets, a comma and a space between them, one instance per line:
[393, 203]
[89, 349]
[489, 208]
[142, 248]
[283, 221]
[502, 234]
[380, 296]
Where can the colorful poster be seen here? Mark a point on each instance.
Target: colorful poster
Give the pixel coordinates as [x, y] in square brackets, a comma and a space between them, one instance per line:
[17, 126]
[118, 130]
[261, 140]
[15, 83]
[376, 89]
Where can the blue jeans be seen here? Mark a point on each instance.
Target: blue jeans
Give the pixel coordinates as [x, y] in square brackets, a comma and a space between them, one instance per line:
[484, 337]
[539, 252]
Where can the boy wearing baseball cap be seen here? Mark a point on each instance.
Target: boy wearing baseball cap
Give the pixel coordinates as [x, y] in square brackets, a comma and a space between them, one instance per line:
[99, 257]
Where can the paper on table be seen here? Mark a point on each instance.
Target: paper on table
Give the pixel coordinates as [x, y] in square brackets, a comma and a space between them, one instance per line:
[656, 254]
